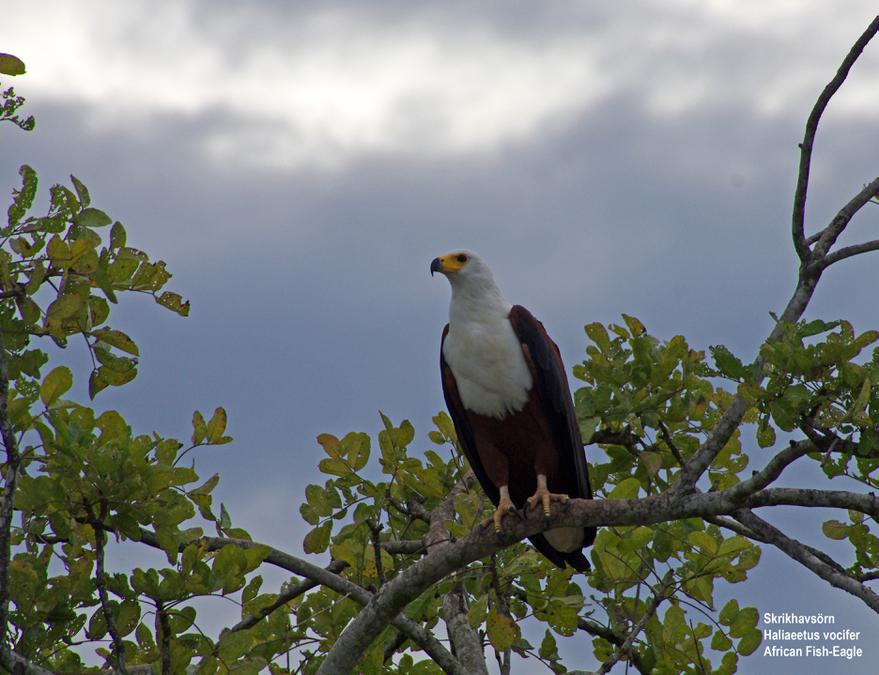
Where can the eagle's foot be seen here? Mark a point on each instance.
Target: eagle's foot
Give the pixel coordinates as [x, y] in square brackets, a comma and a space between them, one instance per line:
[505, 506]
[545, 497]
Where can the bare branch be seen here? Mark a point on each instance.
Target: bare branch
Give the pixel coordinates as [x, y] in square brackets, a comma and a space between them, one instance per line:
[838, 499]
[799, 209]
[849, 251]
[773, 469]
[802, 554]
[841, 220]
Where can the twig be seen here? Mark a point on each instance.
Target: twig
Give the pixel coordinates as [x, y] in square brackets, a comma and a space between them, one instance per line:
[625, 648]
[284, 597]
[101, 583]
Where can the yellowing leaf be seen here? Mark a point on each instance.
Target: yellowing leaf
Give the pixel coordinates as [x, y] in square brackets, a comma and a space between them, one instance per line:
[11, 65]
[199, 428]
[118, 339]
[216, 426]
[502, 630]
[56, 383]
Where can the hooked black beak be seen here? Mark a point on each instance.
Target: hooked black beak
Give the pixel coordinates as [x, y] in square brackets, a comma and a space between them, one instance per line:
[435, 266]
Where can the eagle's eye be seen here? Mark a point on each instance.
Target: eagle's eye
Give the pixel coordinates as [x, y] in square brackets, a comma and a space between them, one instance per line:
[462, 258]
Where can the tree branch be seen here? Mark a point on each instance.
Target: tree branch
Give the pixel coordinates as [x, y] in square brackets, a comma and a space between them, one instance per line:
[806, 557]
[466, 645]
[849, 251]
[773, 469]
[837, 499]
[324, 577]
[101, 583]
[799, 209]
[652, 605]
[10, 479]
[616, 639]
[841, 220]
[17, 664]
[286, 596]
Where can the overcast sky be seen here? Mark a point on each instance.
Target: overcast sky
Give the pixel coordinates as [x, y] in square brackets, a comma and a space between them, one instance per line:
[298, 165]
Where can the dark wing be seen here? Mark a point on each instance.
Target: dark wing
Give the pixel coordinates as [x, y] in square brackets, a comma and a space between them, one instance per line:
[555, 397]
[462, 425]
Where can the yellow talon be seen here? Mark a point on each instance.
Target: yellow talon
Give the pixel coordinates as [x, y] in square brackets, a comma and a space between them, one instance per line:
[545, 497]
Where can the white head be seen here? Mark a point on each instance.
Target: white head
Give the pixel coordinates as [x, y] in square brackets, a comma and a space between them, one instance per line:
[473, 285]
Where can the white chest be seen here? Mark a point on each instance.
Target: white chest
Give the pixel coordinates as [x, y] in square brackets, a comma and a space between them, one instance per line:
[489, 368]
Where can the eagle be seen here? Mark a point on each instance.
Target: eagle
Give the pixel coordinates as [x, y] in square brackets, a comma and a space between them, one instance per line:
[506, 390]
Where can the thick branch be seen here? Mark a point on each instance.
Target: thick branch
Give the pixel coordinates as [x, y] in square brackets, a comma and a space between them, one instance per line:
[802, 554]
[466, 644]
[837, 499]
[799, 209]
[15, 663]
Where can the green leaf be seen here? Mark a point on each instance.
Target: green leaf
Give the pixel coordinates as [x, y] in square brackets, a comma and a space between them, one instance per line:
[318, 539]
[118, 339]
[24, 198]
[749, 642]
[727, 363]
[11, 65]
[634, 325]
[833, 529]
[127, 617]
[598, 334]
[625, 489]
[81, 191]
[118, 236]
[56, 383]
[234, 645]
[92, 217]
[64, 307]
[502, 630]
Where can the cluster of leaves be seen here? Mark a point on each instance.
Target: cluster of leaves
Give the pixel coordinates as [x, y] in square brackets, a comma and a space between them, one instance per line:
[12, 65]
[86, 480]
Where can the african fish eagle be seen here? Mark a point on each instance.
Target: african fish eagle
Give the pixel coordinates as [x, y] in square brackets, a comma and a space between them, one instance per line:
[507, 393]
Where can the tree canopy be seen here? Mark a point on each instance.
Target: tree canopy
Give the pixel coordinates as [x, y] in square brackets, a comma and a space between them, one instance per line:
[686, 448]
